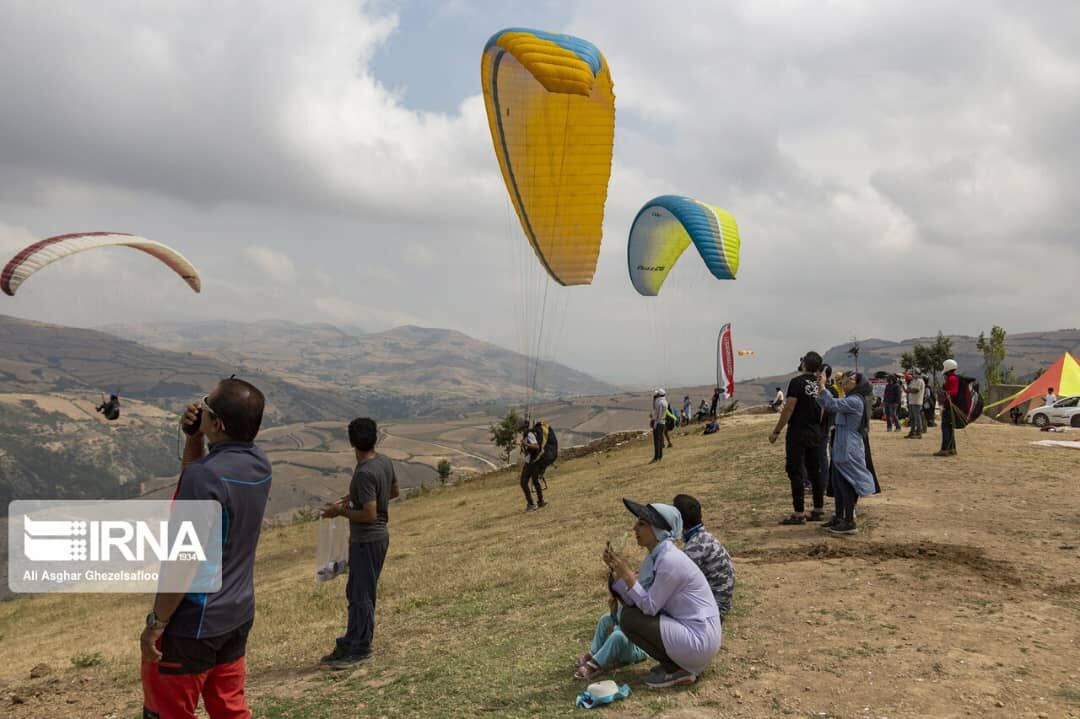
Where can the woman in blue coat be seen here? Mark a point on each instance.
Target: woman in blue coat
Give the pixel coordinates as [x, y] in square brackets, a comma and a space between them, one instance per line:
[850, 477]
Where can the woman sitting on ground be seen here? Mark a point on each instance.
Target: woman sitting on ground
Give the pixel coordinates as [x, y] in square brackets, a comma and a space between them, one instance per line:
[850, 476]
[669, 609]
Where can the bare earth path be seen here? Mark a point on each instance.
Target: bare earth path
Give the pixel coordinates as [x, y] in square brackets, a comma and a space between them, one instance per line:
[960, 596]
[455, 450]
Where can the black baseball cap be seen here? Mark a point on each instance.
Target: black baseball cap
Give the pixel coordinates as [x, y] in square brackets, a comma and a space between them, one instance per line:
[646, 512]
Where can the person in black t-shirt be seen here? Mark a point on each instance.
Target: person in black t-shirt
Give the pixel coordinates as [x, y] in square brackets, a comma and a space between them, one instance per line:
[802, 417]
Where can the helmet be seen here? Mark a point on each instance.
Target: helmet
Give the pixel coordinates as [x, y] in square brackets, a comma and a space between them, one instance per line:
[949, 364]
[661, 393]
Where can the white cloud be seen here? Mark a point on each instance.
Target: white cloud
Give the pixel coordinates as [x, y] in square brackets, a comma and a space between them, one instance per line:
[895, 168]
[322, 279]
[13, 239]
[273, 264]
[418, 255]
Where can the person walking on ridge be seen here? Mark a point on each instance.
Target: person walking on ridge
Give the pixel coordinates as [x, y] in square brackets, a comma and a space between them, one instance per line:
[658, 423]
[892, 403]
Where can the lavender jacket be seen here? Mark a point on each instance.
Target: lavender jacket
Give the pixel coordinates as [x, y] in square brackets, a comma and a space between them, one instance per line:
[680, 595]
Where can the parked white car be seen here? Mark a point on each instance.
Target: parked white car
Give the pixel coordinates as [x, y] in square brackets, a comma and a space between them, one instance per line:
[1066, 411]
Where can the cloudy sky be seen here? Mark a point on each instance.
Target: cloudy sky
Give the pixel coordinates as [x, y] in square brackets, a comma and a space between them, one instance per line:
[895, 168]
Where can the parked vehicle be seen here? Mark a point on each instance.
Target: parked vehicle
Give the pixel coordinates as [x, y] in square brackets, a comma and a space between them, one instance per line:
[1066, 411]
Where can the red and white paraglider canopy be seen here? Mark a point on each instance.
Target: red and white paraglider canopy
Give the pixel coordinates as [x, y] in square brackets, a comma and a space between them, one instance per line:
[45, 252]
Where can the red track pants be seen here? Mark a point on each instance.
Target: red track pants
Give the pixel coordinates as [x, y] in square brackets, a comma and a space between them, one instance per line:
[191, 668]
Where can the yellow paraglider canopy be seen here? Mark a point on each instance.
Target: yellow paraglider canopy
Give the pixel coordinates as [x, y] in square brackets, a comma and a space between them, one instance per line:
[551, 110]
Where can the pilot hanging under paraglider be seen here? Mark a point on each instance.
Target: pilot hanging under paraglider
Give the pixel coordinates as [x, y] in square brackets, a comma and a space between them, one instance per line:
[110, 408]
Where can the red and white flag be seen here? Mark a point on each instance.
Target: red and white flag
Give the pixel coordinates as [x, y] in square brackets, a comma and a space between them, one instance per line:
[725, 362]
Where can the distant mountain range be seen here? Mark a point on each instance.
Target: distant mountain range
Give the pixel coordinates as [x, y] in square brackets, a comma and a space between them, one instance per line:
[444, 365]
[308, 372]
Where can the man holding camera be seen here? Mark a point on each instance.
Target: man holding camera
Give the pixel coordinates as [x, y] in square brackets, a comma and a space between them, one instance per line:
[194, 644]
[802, 417]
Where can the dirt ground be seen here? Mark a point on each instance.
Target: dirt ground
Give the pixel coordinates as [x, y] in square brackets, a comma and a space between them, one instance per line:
[959, 597]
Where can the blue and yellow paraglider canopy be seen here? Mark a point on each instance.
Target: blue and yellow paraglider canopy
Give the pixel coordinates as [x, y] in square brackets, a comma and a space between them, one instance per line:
[666, 226]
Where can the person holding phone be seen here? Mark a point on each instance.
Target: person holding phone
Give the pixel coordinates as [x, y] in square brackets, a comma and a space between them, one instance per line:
[610, 647]
[669, 609]
[194, 644]
[851, 478]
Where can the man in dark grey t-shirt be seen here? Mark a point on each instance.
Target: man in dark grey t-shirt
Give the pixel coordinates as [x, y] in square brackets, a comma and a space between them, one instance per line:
[372, 487]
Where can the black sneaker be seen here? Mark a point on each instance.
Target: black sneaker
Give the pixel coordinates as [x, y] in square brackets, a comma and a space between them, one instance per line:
[844, 527]
[339, 653]
[530, 508]
[833, 520]
[348, 661]
[541, 504]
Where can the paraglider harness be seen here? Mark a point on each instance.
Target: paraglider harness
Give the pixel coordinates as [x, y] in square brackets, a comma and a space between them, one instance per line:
[968, 406]
[548, 450]
[110, 407]
[670, 420]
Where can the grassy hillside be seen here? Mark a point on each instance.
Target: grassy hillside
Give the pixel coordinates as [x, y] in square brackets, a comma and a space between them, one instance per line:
[958, 597]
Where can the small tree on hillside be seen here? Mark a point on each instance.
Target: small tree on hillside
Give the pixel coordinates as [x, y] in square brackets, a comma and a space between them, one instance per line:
[931, 358]
[993, 351]
[907, 361]
[504, 433]
[443, 468]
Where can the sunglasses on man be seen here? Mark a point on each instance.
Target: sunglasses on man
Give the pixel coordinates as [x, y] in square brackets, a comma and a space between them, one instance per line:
[204, 406]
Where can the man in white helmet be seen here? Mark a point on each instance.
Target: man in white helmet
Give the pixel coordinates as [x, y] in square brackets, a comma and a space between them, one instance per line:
[950, 393]
[657, 421]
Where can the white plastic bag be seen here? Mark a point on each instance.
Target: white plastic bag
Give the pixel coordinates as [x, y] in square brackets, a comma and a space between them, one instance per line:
[332, 548]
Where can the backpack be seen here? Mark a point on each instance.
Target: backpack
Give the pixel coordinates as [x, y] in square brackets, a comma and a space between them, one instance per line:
[549, 444]
[670, 420]
[968, 406]
[712, 427]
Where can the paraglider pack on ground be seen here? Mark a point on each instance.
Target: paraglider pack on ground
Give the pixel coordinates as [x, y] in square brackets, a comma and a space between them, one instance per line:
[968, 406]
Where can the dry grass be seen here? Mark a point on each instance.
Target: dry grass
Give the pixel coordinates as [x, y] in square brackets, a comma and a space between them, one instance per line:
[954, 599]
